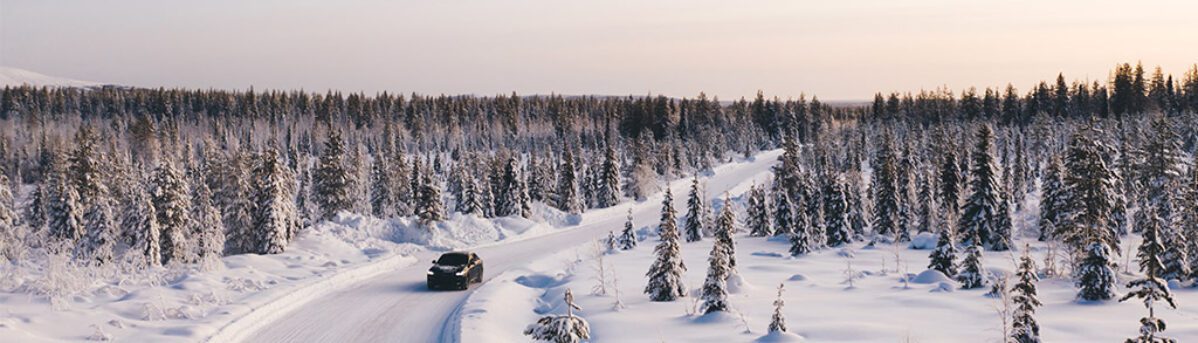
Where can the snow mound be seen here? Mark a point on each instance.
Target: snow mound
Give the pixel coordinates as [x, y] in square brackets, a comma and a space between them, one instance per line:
[944, 287]
[924, 241]
[738, 285]
[766, 254]
[930, 276]
[779, 337]
[13, 77]
[717, 317]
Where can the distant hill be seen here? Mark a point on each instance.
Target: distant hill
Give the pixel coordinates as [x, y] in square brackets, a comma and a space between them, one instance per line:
[13, 77]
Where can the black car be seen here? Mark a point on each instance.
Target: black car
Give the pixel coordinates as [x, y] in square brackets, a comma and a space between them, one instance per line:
[455, 270]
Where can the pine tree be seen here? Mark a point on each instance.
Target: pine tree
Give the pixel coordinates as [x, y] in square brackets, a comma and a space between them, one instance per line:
[784, 223]
[695, 207]
[171, 203]
[470, 202]
[814, 211]
[140, 222]
[981, 213]
[35, 212]
[950, 183]
[778, 320]
[507, 200]
[64, 213]
[971, 273]
[236, 204]
[724, 229]
[1095, 276]
[757, 213]
[1052, 200]
[381, 198]
[1025, 329]
[836, 213]
[885, 186]
[1091, 189]
[430, 209]
[715, 287]
[944, 257]
[1151, 288]
[333, 183]
[274, 218]
[608, 192]
[99, 243]
[928, 210]
[206, 225]
[665, 275]
[567, 184]
[627, 239]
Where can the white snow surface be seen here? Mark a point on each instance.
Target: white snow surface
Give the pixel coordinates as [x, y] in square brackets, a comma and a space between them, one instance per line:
[820, 304]
[398, 307]
[13, 77]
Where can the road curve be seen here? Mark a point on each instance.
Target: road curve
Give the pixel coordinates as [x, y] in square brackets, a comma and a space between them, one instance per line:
[397, 307]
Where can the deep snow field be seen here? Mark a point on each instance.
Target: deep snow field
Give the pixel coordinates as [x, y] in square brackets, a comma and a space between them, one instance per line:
[820, 304]
[59, 302]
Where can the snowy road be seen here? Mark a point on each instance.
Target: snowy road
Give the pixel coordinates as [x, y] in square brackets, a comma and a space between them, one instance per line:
[398, 307]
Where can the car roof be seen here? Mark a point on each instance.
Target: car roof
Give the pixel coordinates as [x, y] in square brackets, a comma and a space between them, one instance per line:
[466, 253]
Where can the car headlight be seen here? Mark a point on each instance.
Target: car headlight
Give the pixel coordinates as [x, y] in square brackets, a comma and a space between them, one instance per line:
[430, 272]
[461, 273]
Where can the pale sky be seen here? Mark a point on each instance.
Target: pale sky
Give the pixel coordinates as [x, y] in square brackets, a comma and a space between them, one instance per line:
[838, 50]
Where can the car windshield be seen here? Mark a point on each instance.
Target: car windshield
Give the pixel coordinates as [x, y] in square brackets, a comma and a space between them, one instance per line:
[452, 259]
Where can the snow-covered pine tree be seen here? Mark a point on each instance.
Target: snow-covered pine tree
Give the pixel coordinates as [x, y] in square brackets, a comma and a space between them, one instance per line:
[695, 207]
[470, 202]
[1024, 328]
[567, 198]
[1189, 218]
[928, 209]
[401, 186]
[1052, 199]
[665, 275]
[382, 201]
[140, 223]
[98, 245]
[980, 214]
[757, 214]
[236, 203]
[836, 213]
[332, 182]
[972, 272]
[627, 239]
[813, 201]
[274, 216]
[1095, 277]
[944, 257]
[949, 192]
[35, 212]
[885, 187]
[725, 227]
[1151, 288]
[507, 200]
[715, 287]
[206, 225]
[784, 223]
[608, 190]
[428, 203]
[1091, 188]
[561, 329]
[778, 319]
[905, 182]
[64, 213]
[1175, 258]
[172, 204]
[8, 212]
[857, 215]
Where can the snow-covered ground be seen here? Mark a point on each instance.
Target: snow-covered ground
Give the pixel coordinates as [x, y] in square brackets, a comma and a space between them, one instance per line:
[45, 301]
[821, 306]
[13, 77]
[354, 278]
